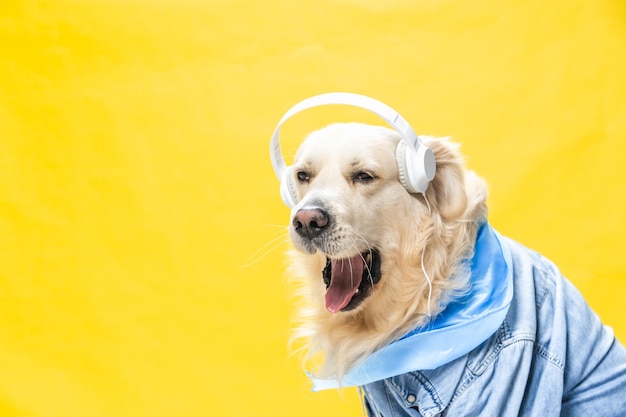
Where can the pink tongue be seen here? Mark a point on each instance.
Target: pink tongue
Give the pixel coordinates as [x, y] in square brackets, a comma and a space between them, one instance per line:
[345, 278]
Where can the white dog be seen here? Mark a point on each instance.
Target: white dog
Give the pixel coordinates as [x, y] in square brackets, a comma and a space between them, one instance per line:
[414, 298]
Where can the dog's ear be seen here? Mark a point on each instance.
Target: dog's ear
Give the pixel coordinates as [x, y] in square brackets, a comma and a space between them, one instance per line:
[447, 191]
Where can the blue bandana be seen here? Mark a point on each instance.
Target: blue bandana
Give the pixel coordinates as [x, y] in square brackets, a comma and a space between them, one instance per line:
[462, 326]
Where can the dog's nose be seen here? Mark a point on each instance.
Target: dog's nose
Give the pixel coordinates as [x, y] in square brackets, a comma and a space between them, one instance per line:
[310, 222]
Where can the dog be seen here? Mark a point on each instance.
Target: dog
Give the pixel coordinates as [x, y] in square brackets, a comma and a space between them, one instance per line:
[354, 213]
[374, 263]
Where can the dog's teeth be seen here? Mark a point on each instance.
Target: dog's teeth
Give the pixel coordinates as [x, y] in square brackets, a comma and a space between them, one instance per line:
[357, 291]
[367, 258]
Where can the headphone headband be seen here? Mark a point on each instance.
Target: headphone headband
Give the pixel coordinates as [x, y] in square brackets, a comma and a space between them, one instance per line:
[392, 117]
[416, 162]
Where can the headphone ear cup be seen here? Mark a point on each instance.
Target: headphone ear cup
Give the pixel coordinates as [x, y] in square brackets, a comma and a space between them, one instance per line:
[288, 190]
[415, 168]
[402, 165]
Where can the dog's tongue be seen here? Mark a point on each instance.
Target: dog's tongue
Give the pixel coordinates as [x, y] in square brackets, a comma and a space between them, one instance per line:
[345, 278]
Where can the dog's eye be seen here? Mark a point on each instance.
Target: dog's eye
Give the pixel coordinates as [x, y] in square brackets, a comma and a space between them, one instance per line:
[303, 176]
[362, 177]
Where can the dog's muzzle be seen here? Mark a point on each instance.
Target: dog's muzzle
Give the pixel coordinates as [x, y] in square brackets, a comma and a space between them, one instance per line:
[348, 280]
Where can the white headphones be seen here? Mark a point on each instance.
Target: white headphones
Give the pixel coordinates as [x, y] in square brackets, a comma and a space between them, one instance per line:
[416, 162]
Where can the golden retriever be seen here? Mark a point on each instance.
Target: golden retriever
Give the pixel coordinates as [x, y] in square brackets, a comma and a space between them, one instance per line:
[409, 294]
[361, 240]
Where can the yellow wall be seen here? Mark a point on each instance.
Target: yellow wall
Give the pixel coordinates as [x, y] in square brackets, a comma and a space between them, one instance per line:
[136, 187]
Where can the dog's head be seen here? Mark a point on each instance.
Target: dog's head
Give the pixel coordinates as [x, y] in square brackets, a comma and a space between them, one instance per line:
[347, 181]
[360, 236]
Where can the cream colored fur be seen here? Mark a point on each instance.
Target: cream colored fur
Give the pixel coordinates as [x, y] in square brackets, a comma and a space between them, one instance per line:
[380, 214]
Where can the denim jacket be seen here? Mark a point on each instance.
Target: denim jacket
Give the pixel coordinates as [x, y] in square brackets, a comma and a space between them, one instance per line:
[550, 357]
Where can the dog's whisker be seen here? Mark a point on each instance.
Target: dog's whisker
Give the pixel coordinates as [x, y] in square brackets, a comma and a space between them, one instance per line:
[266, 249]
[369, 248]
[363, 239]
[279, 226]
[367, 267]
[351, 277]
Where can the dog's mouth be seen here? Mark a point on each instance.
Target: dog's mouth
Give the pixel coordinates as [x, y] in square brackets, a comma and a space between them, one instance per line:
[350, 280]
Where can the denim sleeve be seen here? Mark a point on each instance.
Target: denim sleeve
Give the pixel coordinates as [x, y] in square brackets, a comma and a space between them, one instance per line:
[595, 378]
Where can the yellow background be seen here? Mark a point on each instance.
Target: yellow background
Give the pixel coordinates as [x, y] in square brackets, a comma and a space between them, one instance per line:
[136, 187]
